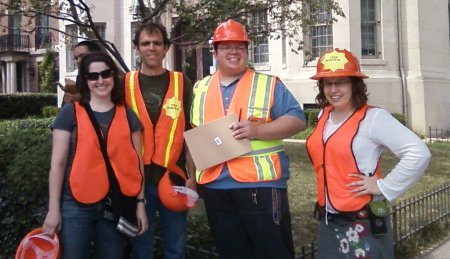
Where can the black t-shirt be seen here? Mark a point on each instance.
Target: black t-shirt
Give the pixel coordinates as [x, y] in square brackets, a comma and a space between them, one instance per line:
[154, 89]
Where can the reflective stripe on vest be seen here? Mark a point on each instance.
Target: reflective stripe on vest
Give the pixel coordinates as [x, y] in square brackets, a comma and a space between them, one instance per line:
[334, 160]
[163, 143]
[88, 177]
[254, 104]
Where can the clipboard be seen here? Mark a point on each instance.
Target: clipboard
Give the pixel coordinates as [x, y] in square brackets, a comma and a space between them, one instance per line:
[212, 143]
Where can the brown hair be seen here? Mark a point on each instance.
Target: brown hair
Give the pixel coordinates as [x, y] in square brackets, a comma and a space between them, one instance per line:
[118, 91]
[151, 28]
[359, 93]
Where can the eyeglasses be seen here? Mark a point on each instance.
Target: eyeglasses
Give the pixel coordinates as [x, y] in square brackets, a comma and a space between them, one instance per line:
[228, 49]
[337, 83]
[93, 76]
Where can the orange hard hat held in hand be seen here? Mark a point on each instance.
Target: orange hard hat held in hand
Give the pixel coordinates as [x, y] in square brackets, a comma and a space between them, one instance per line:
[172, 192]
[37, 244]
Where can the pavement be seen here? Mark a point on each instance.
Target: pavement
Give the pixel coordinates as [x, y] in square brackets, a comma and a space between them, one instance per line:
[440, 251]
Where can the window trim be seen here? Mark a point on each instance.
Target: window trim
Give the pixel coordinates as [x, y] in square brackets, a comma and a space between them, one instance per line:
[314, 50]
[256, 45]
[376, 26]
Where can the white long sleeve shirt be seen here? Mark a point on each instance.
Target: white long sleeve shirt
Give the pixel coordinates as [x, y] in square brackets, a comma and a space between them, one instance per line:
[377, 131]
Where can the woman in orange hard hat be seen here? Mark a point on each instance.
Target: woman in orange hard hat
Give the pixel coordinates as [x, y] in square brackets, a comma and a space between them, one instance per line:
[345, 149]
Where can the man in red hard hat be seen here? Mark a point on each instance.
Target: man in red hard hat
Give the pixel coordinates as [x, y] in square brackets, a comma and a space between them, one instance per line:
[246, 197]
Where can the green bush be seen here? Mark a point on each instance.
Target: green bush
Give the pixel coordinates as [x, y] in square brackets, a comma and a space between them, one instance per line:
[47, 71]
[50, 111]
[23, 105]
[311, 117]
[400, 117]
[14, 125]
[24, 166]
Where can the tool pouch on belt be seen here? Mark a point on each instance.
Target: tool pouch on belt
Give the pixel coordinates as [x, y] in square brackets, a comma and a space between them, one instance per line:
[378, 210]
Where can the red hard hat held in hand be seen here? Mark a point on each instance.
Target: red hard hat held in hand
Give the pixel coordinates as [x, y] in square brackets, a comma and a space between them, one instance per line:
[336, 63]
[172, 192]
[37, 245]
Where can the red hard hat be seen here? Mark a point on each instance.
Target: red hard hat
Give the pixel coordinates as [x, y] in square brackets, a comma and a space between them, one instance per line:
[175, 197]
[37, 245]
[230, 31]
[337, 62]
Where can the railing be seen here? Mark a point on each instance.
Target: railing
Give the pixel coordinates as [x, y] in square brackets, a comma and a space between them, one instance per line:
[438, 135]
[412, 215]
[408, 218]
[16, 42]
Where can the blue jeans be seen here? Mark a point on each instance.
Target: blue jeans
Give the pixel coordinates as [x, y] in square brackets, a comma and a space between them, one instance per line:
[173, 227]
[249, 223]
[84, 224]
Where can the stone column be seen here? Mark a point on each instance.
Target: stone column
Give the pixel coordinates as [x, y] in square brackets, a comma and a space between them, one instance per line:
[3, 72]
[11, 77]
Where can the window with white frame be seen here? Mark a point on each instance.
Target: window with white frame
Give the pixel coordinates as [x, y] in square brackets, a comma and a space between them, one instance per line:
[71, 41]
[370, 29]
[259, 48]
[101, 28]
[321, 33]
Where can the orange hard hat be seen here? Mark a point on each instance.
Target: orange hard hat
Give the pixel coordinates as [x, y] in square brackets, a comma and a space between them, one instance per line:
[172, 192]
[337, 62]
[230, 30]
[37, 244]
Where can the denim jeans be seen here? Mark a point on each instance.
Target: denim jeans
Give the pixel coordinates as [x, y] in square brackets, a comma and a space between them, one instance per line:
[249, 223]
[83, 225]
[173, 227]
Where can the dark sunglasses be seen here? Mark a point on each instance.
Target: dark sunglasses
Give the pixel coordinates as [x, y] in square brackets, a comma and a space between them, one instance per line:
[93, 76]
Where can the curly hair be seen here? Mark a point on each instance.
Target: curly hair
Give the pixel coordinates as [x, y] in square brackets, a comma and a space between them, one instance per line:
[151, 28]
[118, 91]
[359, 93]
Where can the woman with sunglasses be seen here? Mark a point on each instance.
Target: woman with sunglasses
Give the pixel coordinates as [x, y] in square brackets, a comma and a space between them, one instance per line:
[78, 181]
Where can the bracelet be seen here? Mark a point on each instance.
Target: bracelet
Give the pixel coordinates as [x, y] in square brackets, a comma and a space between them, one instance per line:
[141, 200]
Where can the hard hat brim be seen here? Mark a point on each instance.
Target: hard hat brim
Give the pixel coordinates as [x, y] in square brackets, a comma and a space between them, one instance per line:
[36, 243]
[321, 75]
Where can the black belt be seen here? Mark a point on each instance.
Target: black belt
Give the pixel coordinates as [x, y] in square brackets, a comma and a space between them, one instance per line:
[320, 212]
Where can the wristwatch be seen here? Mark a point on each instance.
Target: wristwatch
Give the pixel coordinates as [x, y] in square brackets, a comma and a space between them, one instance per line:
[142, 200]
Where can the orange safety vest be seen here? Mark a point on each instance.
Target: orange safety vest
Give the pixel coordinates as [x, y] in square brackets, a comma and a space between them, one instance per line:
[88, 177]
[263, 164]
[334, 160]
[163, 143]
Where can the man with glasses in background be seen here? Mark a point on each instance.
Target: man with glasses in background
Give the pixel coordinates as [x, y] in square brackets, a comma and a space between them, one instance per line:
[246, 197]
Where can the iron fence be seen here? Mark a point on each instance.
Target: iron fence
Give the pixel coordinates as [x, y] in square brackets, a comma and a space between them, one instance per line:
[14, 42]
[412, 215]
[436, 134]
